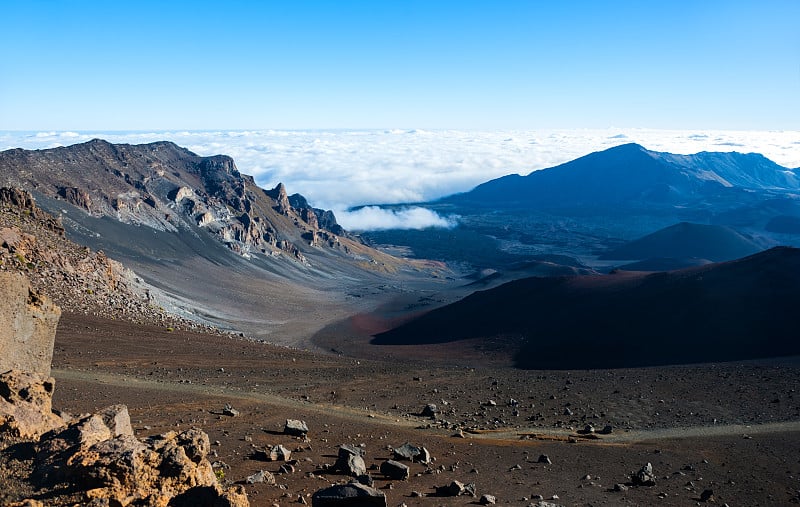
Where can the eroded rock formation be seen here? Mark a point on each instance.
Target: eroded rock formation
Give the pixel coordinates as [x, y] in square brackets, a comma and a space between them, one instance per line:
[96, 456]
[27, 326]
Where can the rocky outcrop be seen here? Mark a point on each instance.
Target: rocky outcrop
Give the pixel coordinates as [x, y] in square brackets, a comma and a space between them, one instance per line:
[315, 217]
[99, 455]
[18, 198]
[26, 404]
[27, 325]
[76, 197]
[12, 197]
[282, 204]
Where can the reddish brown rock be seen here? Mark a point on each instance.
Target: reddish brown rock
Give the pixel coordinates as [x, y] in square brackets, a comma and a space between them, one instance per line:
[26, 404]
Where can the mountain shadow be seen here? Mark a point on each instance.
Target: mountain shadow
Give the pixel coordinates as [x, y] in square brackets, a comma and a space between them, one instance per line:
[728, 311]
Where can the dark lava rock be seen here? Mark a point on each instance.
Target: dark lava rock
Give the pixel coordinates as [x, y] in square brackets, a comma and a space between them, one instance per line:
[456, 488]
[346, 495]
[544, 458]
[487, 500]
[413, 453]
[395, 470]
[229, 411]
[644, 477]
[707, 496]
[366, 480]
[430, 410]
[350, 462]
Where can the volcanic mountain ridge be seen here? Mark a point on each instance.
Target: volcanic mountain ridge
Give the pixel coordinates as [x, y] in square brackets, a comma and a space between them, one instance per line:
[168, 188]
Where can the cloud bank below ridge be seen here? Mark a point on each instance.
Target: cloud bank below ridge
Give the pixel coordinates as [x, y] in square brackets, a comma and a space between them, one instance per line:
[340, 169]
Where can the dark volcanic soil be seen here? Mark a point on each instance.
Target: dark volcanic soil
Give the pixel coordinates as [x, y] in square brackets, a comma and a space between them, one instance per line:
[733, 428]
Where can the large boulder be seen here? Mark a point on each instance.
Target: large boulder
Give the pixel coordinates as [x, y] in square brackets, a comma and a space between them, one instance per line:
[26, 404]
[350, 461]
[27, 326]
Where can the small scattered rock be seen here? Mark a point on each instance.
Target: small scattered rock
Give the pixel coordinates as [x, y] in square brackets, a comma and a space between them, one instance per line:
[544, 458]
[279, 453]
[707, 496]
[644, 477]
[261, 476]
[295, 428]
[487, 500]
[456, 488]
[620, 487]
[429, 410]
[229, 411]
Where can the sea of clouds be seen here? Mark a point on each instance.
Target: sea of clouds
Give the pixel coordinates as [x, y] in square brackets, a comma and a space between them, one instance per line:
[342, 169]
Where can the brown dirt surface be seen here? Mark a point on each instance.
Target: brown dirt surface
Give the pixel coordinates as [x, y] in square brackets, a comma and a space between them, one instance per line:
[732, 428]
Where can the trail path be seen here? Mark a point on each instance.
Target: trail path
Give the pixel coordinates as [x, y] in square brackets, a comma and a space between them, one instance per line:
[367, 417]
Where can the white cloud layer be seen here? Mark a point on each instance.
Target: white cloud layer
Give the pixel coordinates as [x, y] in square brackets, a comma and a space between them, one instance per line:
[373, 218]
[342, 168]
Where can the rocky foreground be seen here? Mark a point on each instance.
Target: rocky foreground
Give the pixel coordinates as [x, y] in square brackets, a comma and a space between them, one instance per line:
[88, 459]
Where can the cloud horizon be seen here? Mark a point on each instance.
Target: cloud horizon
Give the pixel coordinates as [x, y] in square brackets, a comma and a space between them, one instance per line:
[345, 169]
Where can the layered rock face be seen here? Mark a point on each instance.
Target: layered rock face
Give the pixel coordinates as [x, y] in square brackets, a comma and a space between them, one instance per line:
[33, 243]
[169, 188]
[27, 326]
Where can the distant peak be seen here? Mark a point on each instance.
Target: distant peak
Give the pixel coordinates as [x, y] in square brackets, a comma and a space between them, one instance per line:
[629, 147]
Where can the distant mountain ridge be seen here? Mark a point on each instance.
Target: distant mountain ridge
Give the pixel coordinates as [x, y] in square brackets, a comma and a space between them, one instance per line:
[685, 240]
[593, 204]
[630, 174]
[166, 187]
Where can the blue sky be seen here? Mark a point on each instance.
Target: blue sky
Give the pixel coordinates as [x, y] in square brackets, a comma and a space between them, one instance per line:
[72, 65]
